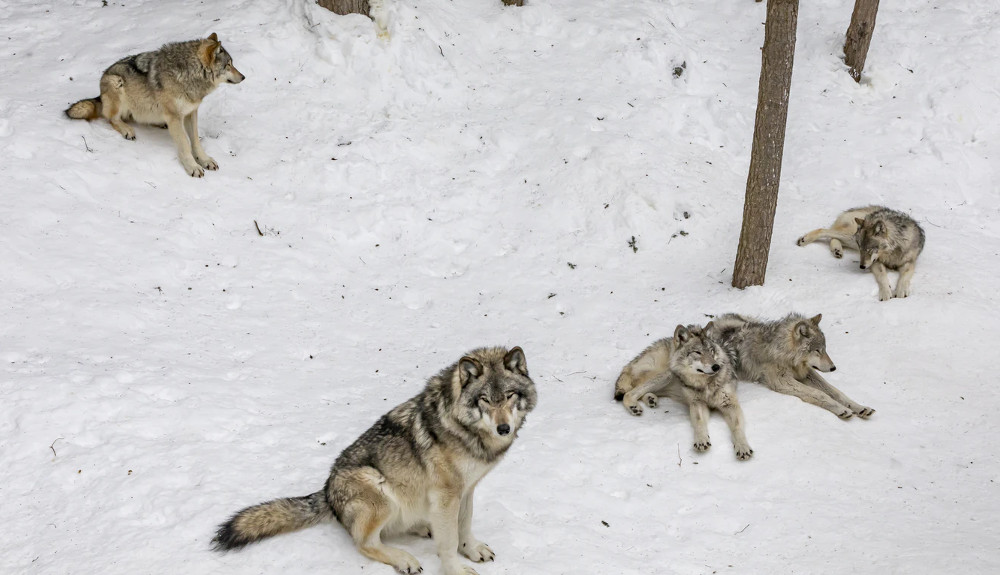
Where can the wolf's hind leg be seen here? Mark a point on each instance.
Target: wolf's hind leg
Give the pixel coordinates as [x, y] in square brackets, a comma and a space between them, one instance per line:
[365, 514]
[112, 105]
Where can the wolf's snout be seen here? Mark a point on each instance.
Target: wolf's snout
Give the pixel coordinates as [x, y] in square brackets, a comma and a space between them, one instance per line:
[503, 429]
[833, 368]
[715, 367]
[862, 266]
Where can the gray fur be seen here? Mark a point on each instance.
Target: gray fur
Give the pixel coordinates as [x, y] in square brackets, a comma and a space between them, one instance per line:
[693, 369]
[886, 239]
[416, 469]
[786, 356]
[164, 87]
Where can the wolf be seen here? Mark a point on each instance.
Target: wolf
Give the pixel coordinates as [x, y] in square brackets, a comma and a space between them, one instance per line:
[164, 88]
[416, 469]
[786, 356]
[692, 369]
[886, 239]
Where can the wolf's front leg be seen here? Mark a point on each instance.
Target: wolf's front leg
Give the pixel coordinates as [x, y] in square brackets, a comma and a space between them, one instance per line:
[882, 279]
[468, 545]
[177, 132]
[807, 393]
[699, 422]
[816, 380]
[191, 127]
[733, 414]
[445, 508]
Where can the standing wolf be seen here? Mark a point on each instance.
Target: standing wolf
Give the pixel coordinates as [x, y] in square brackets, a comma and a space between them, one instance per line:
[885, 238]
[415, 469]
[785, 356]
[164, 87]
[690, 368]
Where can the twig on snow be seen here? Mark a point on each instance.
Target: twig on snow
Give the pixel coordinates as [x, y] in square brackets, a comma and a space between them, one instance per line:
[742, 530]
[51, 446]
[86, 147]
[679, 460]
[259, 233]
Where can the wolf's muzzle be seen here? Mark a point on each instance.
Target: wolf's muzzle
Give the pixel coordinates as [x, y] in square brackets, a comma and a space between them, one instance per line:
[503, 429]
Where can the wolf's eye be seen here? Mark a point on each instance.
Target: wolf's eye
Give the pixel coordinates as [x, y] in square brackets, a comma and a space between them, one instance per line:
[484, 399]
[512, 395]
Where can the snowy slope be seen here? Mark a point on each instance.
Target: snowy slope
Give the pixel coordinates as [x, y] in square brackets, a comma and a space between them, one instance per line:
[423, 194]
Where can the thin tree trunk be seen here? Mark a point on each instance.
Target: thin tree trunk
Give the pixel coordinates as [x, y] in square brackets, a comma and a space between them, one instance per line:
[346, 6]
[761, 199]
[513, 2]
[859, 36]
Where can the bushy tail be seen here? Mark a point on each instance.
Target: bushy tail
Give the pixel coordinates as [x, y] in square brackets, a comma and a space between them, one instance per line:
[271, 518]
[89, 109]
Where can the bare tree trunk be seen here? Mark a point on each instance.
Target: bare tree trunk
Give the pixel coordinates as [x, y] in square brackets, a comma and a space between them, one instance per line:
[513, 2]
[768, 142]
[859, 36]
[346, 6]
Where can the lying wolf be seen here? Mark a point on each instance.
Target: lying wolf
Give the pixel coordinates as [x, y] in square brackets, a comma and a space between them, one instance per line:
[415, 470]
[785, 356]
[694, 370]
[886, 239]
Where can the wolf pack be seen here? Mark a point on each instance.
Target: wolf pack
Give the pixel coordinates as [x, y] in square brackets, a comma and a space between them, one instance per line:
[416, 469]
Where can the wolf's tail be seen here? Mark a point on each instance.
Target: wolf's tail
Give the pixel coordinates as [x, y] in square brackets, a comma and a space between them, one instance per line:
[89, 109]
[623, 385]
[272, 518]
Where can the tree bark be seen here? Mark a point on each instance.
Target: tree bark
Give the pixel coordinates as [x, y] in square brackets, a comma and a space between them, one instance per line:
[761, 199]
[859, 36]
[346, 6]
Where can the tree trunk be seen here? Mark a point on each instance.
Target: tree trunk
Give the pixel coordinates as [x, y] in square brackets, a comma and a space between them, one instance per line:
[513, 2]
[859, 36]
[768, 142]
[346, 6]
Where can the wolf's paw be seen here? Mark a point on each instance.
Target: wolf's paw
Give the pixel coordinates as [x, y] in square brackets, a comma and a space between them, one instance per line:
[128, 133]
[902, 292]
[864, 412]
[702, 445]
[885, 295]
[846, 414]
[651, 400]
[801, 241]
[743, 452]
[208, 163]
[477, 551]
[405, 563]
[195, 171]
[635, 409]
[839, 254]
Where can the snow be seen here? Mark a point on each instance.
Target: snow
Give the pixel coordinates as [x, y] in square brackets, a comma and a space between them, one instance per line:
[475, 178]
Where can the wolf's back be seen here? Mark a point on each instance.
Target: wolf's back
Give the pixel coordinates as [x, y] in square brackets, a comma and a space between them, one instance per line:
[89, 109]
[272, 518]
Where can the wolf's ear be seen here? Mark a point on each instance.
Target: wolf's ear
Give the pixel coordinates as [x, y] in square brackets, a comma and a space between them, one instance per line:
[208, 50]
[802, 329]
[860, 222]
[708, 327]
[213, 37]
[879, 228]
[469, 368]
[816, 319]
[514, 361]
[681, 334]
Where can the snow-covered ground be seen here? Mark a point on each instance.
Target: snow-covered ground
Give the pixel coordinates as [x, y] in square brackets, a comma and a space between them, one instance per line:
[475, 178]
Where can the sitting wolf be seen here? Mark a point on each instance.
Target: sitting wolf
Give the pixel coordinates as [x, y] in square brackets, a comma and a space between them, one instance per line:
[694, 370]
[884, 237]
[785, 356]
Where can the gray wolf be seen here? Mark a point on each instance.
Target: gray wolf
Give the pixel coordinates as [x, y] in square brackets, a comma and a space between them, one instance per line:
[416, 469]
[786, 356]
[164, 88]
[692, 369]
[886, 239]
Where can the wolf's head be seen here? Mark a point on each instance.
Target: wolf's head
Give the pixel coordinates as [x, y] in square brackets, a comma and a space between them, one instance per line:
[810, 345]
[872, 238]
[696, 353]
[218, 62]
[494, 393]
